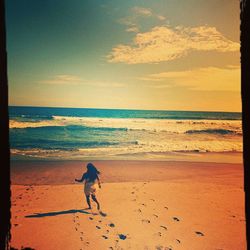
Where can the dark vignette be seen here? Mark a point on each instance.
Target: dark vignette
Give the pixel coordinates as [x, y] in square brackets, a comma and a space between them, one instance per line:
[245, 91]
[4, 122]
[4, 138]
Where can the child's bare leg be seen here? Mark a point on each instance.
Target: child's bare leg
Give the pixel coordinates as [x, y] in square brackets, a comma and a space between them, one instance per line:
[96, 201]
[88, 201]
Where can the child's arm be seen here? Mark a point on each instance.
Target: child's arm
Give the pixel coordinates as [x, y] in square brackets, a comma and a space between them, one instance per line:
[82, 179]
[99, 183]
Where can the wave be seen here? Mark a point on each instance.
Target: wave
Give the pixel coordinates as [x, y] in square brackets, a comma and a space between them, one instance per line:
[31, 118]
[70, 128]
[66, 144]
[131, 124]
[213, 131]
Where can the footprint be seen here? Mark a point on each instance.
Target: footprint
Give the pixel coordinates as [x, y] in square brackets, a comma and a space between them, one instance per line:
[112, 225]
[168, 248]
[159, 247]
[155, 215]
[166, 208]
[105, 237]
[164, 227]
[91, 218]
[143, 204]
[159, 233]
[98, 227]
[176, 219]
[152, 199]
[199, 233]
[81, 238]
[122, 236]
[163, 248]
[147, 221]
[102, 214]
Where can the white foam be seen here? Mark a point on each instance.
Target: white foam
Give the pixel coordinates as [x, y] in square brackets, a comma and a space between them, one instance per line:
[155, 125]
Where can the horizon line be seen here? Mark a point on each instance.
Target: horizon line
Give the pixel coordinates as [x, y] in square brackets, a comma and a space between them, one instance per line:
[133, 109]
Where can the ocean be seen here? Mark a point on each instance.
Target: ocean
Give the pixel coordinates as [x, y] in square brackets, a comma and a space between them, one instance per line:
[89, 134]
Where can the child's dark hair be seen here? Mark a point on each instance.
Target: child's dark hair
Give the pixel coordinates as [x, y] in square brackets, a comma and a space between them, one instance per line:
[92, 173]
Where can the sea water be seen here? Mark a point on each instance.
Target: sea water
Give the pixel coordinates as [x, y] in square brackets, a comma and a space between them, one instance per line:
[83, 133]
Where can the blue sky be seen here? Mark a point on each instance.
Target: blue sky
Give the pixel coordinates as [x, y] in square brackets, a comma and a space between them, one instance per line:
[124, 54]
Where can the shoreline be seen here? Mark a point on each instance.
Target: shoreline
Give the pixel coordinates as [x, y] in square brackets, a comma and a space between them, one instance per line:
[64, 172]
[217, 157]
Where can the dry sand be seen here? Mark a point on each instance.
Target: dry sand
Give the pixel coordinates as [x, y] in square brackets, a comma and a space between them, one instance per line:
[145, 205]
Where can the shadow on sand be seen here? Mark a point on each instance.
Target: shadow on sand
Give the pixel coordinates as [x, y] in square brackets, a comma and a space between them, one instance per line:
[72, 211]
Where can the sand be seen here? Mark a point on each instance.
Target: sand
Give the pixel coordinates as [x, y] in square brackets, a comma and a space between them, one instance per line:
[145, 205]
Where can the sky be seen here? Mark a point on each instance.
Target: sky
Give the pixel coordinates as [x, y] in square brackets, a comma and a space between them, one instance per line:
[151, 54]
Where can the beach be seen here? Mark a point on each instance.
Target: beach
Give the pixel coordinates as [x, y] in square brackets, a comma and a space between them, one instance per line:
[148, 92]
[144, 204]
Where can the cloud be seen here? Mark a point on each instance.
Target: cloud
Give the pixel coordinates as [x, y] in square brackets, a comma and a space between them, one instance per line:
[63, 79]
[133, 28]
[76, 80]
[138, 12]
[163, 43]
[201, 79]
[131, 24]
[142, 11]
[107, 84]
[160, 17]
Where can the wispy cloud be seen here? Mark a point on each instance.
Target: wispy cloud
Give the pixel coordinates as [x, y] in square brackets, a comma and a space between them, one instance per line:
[132, 21]
[76, 80]
[142, 11]
[160, 17]
[164, 43]
[133, 28]
[63, 79]
[202, 79]
[106, 84]
[147, 12]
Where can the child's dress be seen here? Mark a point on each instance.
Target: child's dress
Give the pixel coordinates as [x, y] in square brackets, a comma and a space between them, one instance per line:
[90, 187]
